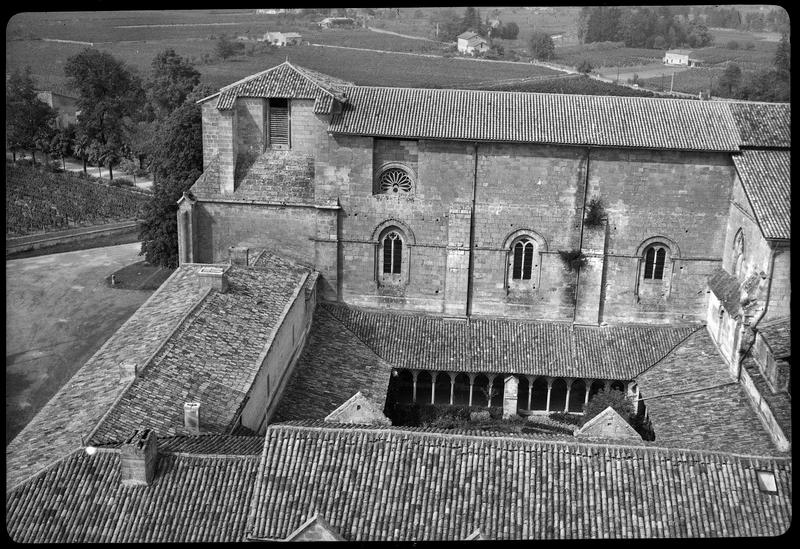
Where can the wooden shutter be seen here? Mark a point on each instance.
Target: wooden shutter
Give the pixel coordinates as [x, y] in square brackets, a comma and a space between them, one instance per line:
[279, 126]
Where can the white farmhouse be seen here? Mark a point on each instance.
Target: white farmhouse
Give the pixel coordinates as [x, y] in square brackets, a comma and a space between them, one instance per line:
[471, 43]
[282, 38]
[680, 57]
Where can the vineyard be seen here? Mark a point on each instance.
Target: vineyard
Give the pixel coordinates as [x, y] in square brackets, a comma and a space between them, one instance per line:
[40, 201]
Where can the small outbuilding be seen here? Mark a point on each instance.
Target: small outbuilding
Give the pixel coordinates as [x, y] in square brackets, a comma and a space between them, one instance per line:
[283, 38]
[471, 43]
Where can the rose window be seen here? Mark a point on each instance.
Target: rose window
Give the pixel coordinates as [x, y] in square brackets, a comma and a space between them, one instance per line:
[395, 180]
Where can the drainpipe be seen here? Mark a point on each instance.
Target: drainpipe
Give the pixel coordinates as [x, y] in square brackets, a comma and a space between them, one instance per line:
[580, 243]
[471, 266]
[742, 354]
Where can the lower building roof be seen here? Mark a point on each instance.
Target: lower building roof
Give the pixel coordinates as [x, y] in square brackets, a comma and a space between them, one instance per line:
[212, 359]
[694, 402]
[201, 493]
[778, 334]
[395, 485]
[486, 345]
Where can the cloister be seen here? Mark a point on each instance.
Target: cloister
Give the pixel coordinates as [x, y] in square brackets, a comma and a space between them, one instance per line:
[533, 393]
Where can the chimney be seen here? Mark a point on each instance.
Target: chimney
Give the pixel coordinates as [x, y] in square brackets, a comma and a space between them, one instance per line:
[191, 417]
[215, 278]
[238, 255]
[127, 371]
[139, 458]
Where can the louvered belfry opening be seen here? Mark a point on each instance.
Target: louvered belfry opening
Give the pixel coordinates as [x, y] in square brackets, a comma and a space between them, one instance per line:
[279, 123]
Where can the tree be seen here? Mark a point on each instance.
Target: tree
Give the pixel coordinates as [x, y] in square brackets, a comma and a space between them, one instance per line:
[177, 163]
[28, 119]
[603, 399]
[172, 79]
[61, 144]
[110, 97]
[509, 31]
[225, 48]
[584, 66]
[472, 21]
[730, 79]
[782, 59]
[80, 146]
[541, 46]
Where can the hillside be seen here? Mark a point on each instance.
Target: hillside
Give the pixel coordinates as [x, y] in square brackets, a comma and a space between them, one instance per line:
[37, 201]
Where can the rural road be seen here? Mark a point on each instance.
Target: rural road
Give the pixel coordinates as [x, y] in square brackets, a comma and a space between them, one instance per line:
[59, 311]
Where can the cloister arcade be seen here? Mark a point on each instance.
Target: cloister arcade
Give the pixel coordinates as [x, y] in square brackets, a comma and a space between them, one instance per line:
[534, 394]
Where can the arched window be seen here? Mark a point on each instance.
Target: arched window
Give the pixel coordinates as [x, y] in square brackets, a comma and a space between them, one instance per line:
[392, 256]
[654, 259]
[522, 260]
[392, 253]
[523, 250]
[655, 270]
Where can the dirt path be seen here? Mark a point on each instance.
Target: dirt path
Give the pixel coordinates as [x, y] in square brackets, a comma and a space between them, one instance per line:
[373, 29]
[59, 311]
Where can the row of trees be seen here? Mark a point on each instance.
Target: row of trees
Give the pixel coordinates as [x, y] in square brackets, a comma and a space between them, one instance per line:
[642, 27]
[156, 122]
[775, 20]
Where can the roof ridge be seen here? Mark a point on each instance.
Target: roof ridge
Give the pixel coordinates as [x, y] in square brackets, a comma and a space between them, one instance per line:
[530, 441]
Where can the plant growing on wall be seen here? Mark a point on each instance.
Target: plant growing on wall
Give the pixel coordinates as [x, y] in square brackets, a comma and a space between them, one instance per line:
[573, 259]
[594, 213]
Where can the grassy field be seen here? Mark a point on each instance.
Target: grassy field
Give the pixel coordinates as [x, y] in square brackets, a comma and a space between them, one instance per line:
[691, 81]
[366, 68]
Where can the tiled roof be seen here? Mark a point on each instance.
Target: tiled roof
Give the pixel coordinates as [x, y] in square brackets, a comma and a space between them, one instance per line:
[765, 176]
[507, 346]
[207, 444]
[212, 358]
[333, 367]
[763, 124]
[284, 80]
[275, 176]
[727, 289]
[385, 484]
[194, 498]
[537, 118]
[778, 334]
[693, 402]
[81, 402]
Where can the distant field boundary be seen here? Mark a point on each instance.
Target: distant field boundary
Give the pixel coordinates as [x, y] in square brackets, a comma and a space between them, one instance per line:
[67, 41]
[35, 242]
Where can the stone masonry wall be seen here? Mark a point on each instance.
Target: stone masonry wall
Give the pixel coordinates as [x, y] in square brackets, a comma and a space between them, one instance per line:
[681, 196]
[250, 118]
[287, 231]
[211, 119]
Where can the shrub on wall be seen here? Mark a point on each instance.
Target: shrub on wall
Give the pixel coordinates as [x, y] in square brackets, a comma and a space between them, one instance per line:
[573, 259]
[594, 213]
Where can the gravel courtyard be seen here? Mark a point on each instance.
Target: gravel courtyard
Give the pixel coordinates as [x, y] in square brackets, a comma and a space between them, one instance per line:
[59, 311]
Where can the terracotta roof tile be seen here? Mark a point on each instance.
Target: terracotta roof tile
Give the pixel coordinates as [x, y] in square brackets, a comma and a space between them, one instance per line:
[537, 118]
[385, 484]
[765, 176]
[694, 402]
[333, 367]
[763, 124]
[194, 498]
[275, 176]
[212, 358]
[285, 80]
[508, 346]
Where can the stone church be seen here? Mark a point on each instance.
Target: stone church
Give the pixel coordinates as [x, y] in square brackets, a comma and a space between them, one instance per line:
[351, 248]
[464, 203]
